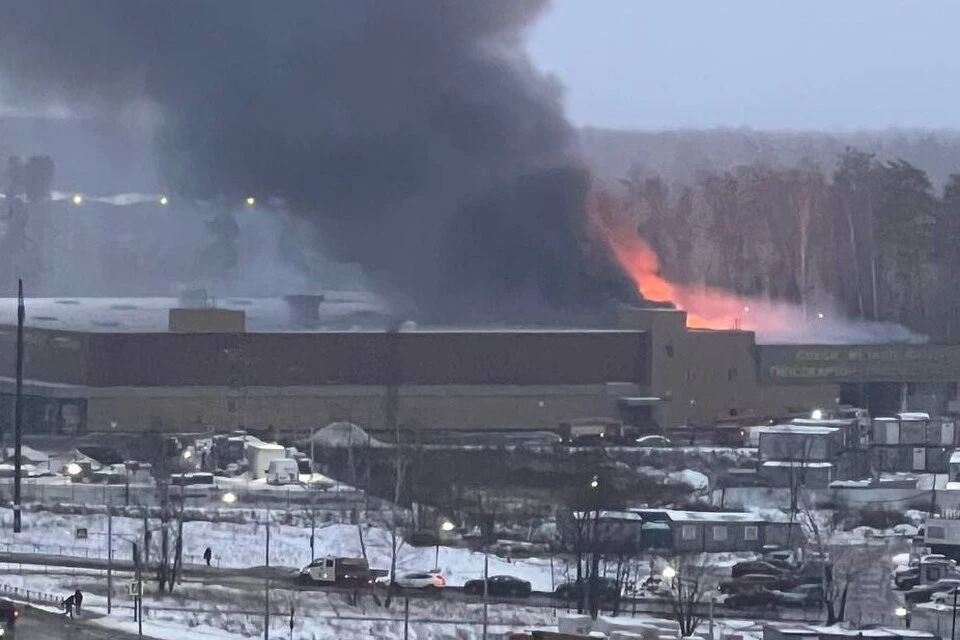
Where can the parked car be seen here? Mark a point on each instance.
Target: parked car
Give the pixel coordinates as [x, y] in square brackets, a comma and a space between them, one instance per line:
[653, 441]
[420, 580]
[608, 589]
[946, 597]
[906, 577]
[750, 582]
[499, 586]
[923, 592]
[807, 596]
[751, 599]
[765, 567]
[380, 577]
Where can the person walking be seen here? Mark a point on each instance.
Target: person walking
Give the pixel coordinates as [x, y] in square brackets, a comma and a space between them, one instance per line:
[68, 604]
[208, 555]
[78, 599]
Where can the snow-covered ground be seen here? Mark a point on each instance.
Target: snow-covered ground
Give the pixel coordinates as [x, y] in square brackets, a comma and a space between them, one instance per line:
[215, 612]
[238, 545]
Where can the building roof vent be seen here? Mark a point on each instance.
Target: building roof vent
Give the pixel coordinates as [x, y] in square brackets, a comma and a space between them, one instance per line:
[304, 309]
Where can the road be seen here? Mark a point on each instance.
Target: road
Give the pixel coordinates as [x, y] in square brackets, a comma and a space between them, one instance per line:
[286, 579]
[35, 624]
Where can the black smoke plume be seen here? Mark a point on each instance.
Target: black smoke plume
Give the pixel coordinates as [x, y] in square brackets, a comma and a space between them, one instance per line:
[415, 133]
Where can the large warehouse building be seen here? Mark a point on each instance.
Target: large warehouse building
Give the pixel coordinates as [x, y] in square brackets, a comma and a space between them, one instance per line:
[95, 365]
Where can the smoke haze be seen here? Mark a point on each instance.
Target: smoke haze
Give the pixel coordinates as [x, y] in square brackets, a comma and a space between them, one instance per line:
[416, 136]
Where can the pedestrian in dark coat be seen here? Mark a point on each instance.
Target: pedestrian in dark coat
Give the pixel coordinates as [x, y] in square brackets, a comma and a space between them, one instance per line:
[68, 606]
[78, 599]
[208, 555]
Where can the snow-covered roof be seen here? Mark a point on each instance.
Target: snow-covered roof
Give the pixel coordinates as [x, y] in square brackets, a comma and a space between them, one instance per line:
[913, 415]
[790, 463]
[747, 517]
[823, 422]
[609, 515]
[798, 430]
[151, 315]
[955, 457]
[254, 443]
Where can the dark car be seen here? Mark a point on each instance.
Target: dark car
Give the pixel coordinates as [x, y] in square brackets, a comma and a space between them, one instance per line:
[924, 592]
[754, 599]
[807, 596]
[499, 586]
[608, 589]
[758, 567]
[750, 583]
[8, 613]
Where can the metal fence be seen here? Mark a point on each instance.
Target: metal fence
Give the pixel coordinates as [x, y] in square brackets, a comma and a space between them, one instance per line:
[146, 495]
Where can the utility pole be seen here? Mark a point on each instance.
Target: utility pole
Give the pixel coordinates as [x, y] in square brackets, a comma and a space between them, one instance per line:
[266, 585]
[313, 520]
[953, 626]
[18, 412]
[486, 583]
[109, 560]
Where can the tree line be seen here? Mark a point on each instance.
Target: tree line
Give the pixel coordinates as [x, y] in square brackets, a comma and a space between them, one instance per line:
[870, 238]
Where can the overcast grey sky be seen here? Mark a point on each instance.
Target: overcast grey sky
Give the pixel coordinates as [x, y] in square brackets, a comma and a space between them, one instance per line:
[799, 64]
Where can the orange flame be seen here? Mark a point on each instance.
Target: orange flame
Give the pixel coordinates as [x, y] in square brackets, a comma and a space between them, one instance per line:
[707, 308]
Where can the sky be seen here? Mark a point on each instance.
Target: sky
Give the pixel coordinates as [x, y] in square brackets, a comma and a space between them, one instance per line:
[766, 64]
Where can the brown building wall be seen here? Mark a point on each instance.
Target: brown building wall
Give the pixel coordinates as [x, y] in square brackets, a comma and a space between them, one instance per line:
[276, 360]
[302, 409]
[704, 376]
[51, 356]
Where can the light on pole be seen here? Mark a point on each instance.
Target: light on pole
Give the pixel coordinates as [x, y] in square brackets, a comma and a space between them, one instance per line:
[229, 497]
[904, 613]
[445, 527]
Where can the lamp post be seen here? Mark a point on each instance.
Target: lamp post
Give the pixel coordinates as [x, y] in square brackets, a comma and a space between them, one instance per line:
[445, 527]
[904, 613]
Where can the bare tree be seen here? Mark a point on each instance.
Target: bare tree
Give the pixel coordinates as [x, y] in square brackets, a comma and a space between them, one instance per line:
[689, 587]
[844, 569]
[799, 464]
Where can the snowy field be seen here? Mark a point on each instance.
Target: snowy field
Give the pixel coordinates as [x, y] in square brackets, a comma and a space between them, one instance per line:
[218, 612]
[237, 545]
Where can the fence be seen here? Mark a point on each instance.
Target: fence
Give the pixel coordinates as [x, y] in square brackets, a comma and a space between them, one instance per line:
[146, 495]
[31, 596]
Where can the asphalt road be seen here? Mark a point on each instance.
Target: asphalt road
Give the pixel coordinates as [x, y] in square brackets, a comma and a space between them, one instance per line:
[42, 625]
[252, 578]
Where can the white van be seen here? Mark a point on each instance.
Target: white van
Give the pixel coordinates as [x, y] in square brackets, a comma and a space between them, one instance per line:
[283, 471]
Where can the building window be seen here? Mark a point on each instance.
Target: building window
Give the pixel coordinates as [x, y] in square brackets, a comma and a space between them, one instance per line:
[751, 533]
[732, 373]
[688, 532]
[936, 532]
[719, 532]
[669, 350]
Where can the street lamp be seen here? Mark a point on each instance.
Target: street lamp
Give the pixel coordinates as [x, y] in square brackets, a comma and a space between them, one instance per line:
[77, 199]
[902, 612]
[74, 469]
[187, 454]
[669, 573]
[594, 482]
[229, 497]
[251, 201]
[445, 527]
[164, 201]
